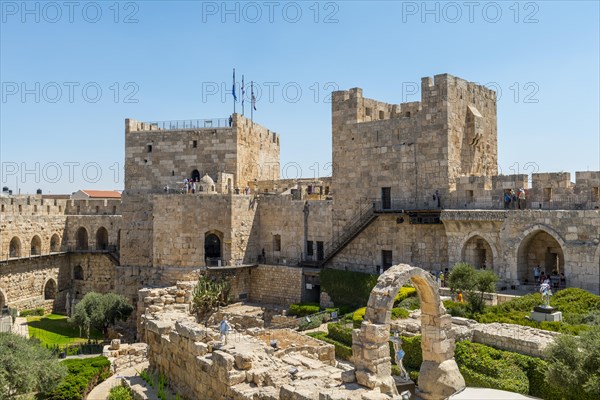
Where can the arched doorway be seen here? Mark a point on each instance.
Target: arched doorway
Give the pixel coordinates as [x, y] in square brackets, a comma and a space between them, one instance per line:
[439, 376]
[195, 175]
[78, 273]
[36, 246]
[82, 239]
[102, 238]
[478, 252]
[14, 248]
[539, 248]
[50, 289]
[212, 248]
[55, 243]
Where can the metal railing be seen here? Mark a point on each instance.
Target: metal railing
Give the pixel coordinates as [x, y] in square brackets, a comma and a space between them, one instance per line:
[184, 124]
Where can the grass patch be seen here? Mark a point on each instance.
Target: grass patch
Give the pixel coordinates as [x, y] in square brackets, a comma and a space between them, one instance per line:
[54, 329]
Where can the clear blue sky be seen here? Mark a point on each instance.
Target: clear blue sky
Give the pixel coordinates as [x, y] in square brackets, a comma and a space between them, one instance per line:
[543, 56]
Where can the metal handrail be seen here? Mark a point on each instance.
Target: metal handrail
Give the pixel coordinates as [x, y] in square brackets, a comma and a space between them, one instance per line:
[185, 124]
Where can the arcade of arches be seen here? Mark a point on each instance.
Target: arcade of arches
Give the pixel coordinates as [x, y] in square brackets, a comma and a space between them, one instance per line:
[539, 248]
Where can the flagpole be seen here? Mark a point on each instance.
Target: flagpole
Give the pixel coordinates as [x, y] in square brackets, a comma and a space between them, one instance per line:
[233, 91]
[242, 94]
[252, 104]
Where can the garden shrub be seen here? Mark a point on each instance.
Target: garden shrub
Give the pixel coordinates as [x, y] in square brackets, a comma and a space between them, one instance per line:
[347, 288]
[120, 393]
[575, 300]
[410, 303]
[358, 316]
[304, 309]
[37, 312]
[342, 350]
[456, 309]
[404, 293]
[398, 313]
[412, 347]
[340, 333]
[313, 322]
[83, 375]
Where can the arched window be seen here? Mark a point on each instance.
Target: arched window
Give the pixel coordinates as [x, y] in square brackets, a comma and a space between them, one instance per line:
[195, 175]
[55, 243]
[36, 246]
[50, 290]
[14, 249]
[78, 273]
[82, 239]
[101, 239]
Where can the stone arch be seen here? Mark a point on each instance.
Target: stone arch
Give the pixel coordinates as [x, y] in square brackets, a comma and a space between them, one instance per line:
[477, 249]
[55, 243]
[195, 176]
[36, 246]
[213, 247]
[81, 239]
[50, 289]
[102, 239]
[3, 299]
[14, 248]
[530, 252]
[439, 376]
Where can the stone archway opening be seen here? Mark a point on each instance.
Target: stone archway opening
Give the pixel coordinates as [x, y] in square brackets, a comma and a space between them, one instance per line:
[478, 252]
[101, 239]
[439, 376]
[14, 248]
[82, 239]
[55, 243]
[50, 290]
[212, 248]
[36, 246]
[539, 248]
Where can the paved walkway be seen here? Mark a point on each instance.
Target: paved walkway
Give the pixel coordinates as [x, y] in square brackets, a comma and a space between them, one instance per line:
[20, 327]
[101, 391]
[488, 394]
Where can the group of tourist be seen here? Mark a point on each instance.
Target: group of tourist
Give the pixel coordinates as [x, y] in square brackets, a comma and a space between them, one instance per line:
[514, 200]
[556, 280]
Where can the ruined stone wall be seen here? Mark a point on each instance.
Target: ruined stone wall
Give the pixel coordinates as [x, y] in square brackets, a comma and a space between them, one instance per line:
[277, 285]
[423, 246]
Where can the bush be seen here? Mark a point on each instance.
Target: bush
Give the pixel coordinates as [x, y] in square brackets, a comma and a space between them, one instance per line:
[457, 309]
[404, 293]
[341, 350]
[37, 312]
[410, 303]
[120, 393]
[398, 313]
[412, 347]
[313, 322]
[574, 300]
[83, 375]
[358, 317]
[347, 288]
[340, 333]
[304, 309]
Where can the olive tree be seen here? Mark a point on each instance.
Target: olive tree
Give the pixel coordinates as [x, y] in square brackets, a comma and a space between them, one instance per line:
[473, 283]
[100, 311]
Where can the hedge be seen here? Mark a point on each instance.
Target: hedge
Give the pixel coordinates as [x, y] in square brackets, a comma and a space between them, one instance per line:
[340, 333]
[358, 317]
[347, 288]
[404, 293]
[398, 313]
[83, 375]
[304, 309]
[38, 312]
[313, 322]
[341, 350]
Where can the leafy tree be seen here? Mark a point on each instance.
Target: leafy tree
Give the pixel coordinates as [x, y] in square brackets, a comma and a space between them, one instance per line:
[26, 367]
[473, 283]
[574, 363]
[100, 311]
[209, 293]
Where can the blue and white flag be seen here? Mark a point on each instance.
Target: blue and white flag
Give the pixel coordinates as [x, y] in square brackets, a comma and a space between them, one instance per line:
[233, 87]
[253, 98]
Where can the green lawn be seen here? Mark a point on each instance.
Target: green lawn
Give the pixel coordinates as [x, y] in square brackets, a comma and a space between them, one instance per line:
[55, 329]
